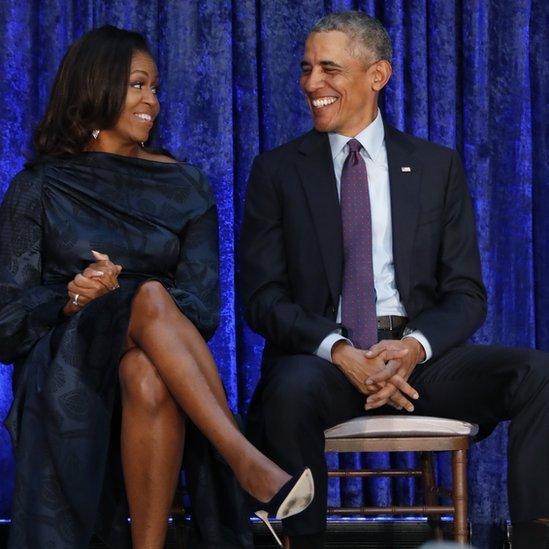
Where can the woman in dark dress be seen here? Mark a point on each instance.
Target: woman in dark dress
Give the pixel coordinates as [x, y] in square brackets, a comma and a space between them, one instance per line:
[108, 291]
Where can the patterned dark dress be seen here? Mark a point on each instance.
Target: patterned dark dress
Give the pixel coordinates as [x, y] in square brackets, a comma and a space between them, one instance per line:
[159, 221]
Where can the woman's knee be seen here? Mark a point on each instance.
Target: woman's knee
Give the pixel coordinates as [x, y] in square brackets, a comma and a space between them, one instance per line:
[152, 299]
[140, 383]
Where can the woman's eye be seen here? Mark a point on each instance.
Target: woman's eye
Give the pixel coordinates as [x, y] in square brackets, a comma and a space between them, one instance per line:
[140, 85]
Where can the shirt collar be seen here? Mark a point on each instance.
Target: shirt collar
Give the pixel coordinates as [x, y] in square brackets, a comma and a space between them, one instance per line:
[371, 138]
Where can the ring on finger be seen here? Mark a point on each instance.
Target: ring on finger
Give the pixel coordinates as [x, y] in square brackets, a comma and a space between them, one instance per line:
[75, 300]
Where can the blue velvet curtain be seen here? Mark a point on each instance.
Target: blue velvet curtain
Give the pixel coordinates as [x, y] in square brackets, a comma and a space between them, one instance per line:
[471, 74]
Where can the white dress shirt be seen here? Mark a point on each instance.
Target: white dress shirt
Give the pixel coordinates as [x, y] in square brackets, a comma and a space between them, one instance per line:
[374, 153]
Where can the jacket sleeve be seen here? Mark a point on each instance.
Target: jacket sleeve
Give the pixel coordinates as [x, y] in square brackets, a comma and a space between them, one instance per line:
[461, 296]
[28, 308]
[196, 289]
[266, 289]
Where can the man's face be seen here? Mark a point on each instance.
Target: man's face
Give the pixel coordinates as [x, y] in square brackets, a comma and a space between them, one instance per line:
[340, 89]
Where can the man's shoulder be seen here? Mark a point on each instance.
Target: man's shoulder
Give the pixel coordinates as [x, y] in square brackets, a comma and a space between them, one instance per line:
[288, 150]
[421, 147]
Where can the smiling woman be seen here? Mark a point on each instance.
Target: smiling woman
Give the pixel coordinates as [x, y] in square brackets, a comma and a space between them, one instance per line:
[109, 95]
[108, 293]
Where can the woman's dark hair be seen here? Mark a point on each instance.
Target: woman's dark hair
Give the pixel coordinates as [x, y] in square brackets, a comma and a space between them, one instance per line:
[89, 90]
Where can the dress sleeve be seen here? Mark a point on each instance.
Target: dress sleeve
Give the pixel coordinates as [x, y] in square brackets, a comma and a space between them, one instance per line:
[28, 309]
[196, 290]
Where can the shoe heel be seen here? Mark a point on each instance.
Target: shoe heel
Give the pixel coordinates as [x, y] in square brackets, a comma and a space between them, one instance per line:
[299, 497]
[264, 517]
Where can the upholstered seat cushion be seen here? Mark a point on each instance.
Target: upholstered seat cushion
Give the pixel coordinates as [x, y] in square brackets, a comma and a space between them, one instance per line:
[401, 426]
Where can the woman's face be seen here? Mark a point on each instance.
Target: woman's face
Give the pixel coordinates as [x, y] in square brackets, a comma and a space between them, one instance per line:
[141, 107]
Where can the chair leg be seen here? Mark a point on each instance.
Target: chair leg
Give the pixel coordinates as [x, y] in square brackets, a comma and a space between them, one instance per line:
[430, 492]
[459, 495]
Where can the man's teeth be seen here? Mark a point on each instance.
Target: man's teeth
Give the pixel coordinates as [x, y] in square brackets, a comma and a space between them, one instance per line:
[324, 101]
[144, 116]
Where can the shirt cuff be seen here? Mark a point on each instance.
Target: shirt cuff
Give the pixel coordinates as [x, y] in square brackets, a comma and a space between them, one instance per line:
[324, 350]
[416, 334]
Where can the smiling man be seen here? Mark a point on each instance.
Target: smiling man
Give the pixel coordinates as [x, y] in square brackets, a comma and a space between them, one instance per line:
[360, 267]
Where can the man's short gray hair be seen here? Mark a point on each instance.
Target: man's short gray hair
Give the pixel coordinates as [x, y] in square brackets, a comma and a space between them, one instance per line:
[369, 37]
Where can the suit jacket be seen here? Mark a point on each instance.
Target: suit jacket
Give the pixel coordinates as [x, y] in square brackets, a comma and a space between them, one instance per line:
[292, 250]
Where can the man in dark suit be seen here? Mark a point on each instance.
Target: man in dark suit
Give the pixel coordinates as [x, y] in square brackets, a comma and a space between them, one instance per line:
[360, 267]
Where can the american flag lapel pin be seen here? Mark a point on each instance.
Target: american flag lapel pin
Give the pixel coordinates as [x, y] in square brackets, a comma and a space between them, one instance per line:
[405, 169]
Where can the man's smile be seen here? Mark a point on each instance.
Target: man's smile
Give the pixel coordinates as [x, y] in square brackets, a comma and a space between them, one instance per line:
[323, 101]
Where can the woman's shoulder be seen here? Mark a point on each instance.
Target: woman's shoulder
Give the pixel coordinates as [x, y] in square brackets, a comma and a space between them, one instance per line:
[28, 180]
[25, 191]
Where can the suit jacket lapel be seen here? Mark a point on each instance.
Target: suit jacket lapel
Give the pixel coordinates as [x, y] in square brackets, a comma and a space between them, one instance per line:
[316, 171]
[405, 189]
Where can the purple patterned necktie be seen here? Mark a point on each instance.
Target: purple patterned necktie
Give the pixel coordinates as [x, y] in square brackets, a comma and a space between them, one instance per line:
[358, 308]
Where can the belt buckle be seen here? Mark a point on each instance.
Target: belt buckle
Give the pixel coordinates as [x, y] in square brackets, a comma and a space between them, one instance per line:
[390, 323]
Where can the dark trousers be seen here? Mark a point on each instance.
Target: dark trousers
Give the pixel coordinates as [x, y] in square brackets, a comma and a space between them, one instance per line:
[299, 396]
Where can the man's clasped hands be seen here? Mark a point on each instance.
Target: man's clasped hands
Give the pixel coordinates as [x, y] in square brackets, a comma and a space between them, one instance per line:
[381, 372]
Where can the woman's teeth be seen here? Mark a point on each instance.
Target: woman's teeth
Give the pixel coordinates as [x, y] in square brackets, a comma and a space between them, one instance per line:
[143, 116]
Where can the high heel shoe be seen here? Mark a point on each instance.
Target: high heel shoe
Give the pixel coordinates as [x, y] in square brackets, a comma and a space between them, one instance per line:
[294, 497]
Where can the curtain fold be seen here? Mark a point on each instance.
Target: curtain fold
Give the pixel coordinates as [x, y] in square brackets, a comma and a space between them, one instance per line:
[469, 74]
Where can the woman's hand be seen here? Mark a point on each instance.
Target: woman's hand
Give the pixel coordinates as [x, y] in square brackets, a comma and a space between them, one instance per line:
[103, 270]
[96, 280]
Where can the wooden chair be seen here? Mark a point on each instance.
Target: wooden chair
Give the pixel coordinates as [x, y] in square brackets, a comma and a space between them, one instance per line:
[400, 433]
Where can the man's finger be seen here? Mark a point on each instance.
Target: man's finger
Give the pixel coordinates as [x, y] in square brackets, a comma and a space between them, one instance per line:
[404, 387]
[393, 353]
[382, 395]
[389, 394]
[401, 402]
[378, 348]
[384, 373]
[392, 359]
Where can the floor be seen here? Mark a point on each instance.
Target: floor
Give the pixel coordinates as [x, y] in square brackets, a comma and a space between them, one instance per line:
[408, 534]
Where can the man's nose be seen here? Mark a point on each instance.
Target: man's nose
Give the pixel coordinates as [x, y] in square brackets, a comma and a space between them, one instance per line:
[313, 81]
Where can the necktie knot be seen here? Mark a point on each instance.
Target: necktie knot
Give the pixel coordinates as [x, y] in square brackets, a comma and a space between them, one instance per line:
[354, 146]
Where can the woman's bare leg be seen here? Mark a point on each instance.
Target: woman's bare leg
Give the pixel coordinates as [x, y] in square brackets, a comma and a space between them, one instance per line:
[205, 361]
[177, 350]
[152, 438]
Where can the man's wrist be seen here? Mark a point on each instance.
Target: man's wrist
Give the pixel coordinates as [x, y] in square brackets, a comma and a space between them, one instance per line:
[424, 342]
[337, 347]
[324, 350]
[417, 346]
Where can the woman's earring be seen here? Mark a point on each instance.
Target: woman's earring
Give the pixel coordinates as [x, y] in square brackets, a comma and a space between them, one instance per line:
[142, 143]
[95, 134]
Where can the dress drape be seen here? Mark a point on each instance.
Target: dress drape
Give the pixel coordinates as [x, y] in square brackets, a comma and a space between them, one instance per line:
[159, 221]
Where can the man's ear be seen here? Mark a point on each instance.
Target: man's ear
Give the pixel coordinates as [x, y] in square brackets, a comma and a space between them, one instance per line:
[381, 73]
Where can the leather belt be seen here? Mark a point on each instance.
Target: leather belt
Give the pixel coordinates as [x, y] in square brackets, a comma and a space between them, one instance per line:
[391, 322]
